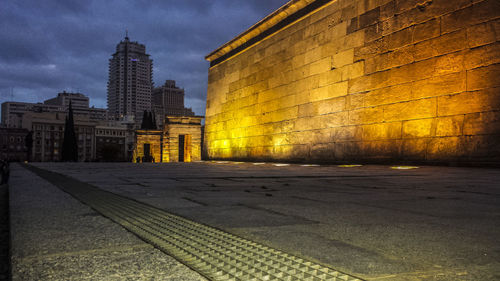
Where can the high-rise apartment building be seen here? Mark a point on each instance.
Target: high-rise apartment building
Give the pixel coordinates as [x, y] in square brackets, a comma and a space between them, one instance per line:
[169, 100]
[130, 81]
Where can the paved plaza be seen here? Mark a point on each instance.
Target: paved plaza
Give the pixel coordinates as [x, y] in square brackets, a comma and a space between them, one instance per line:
[375, 222]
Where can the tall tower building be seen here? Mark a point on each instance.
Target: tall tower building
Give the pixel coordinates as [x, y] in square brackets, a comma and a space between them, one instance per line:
[169, 100]
[130, 81]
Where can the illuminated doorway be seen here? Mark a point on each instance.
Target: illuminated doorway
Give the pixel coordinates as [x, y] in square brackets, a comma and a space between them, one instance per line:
[184, 148]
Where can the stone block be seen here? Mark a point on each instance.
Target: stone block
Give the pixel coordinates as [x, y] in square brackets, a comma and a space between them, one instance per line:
[479, 12]
[374, 32]
[330, 105]
[347, 133]
[332, 120]
[482, 123]
[481, 34]
[481, 148]
[352, 25]
[313, 55]
[382, 131]
[483, 77]
[444, 44]
[368, 82]
[414, 148]
[388, 95]
[390, 59]
[437, 8]
[402, 6]
[327, 92]
[439, 85]
[456, 20]
[352, 71]
[322, 151]
[449, 126]
[419, 128]
[418, 109]
[348, 12]
[482, 56]
[387, 10]
[408, 73]
[370, 49]
[443, 148]
[300, 137]
[450, 63]
[343, 58]
[469, 102]
[352, 150]
[353, 40]
[298, 60]
[382, 149]
[427, 30]
[496, 26]
[320, 66]
[334, 33]
[366, 115]
[307, 123]
[400, 38]
[355, 101]
[330, 77]
[369, 17]
[307, 110]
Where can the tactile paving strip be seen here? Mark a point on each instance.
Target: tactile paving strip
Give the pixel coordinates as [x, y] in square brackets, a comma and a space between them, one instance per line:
[215, 254]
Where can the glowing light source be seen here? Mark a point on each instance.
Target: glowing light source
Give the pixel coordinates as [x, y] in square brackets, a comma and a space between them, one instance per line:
[349, 166]
[281, 165]
[310, 165]
[404, 167]
[262, 163]
[222, 162]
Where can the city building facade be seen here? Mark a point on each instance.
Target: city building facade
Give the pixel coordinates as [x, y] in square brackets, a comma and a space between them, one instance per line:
[12, 112]
[48, 136]
[13, 144]
[130, 81]
[77, 100]
[371, 81]
[114, 142]
[169, 100]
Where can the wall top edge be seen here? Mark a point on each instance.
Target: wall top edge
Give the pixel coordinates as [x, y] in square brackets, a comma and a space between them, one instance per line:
[255, 30]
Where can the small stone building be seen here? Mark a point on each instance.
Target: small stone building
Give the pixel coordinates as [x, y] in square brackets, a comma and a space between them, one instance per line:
[179, 141]
[148, 146]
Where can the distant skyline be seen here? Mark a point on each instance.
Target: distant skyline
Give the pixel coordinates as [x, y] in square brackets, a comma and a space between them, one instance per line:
[64, 45]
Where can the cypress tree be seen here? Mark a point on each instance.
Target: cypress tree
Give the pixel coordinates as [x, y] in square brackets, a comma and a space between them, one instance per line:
[153, 121]
[70, 146]
[144, 120]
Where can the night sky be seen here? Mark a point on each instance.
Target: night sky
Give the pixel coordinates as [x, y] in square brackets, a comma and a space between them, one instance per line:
[54, 45]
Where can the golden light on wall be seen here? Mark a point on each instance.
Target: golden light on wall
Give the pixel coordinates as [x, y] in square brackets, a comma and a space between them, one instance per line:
[321, 89]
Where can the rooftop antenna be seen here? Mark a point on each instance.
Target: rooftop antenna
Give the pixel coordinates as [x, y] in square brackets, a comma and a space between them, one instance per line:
[126, 34]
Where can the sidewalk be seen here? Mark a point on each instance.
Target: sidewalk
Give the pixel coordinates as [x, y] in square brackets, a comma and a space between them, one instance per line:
[55, 237]
[375, 222]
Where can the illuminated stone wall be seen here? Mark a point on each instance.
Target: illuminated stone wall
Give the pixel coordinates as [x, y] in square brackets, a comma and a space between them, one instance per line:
[365, 80]
[151, 137]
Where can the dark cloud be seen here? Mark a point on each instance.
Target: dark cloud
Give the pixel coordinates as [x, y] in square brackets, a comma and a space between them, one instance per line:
[55, 45]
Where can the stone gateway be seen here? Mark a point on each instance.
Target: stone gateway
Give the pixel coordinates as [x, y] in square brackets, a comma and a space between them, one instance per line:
[360, 80]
